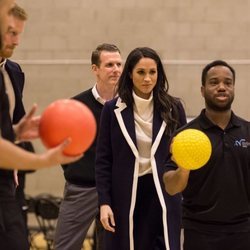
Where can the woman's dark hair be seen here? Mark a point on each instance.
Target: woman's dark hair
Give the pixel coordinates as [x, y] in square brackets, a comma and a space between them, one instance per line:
[164, 103]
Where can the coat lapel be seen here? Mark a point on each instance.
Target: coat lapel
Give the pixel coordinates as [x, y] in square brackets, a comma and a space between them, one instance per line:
[125, 119]
[159, 127]
[16, 77]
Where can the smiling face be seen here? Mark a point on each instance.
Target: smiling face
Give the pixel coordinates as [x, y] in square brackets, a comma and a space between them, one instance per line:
[144, 77]
[109, 69]
[218, 90]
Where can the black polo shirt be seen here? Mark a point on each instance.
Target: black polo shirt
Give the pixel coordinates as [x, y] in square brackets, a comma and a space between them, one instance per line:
[217, 197]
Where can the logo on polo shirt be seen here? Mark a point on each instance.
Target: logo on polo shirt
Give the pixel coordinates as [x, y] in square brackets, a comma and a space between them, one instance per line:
[241, 143]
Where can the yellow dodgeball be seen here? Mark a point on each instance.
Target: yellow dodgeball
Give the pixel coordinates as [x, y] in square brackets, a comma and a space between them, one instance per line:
[191, 149]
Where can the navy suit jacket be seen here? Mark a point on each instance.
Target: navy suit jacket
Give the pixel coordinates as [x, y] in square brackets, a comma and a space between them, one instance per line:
[17, 79]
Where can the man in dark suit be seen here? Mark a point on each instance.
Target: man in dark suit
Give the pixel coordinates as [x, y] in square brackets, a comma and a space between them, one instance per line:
[12, 156]
[14, 82]
[12, 226]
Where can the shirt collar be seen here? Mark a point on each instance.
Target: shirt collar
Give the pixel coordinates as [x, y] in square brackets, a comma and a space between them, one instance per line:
[206, 123]
[2, 63]
[97, 96]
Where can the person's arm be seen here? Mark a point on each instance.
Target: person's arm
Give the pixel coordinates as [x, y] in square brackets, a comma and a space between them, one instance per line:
[14, 157]
[175, 181]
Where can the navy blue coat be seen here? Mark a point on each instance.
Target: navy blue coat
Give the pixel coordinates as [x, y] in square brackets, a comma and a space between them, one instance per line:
[117, 167]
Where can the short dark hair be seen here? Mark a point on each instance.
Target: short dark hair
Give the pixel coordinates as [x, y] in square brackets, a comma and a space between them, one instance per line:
[18, 12]
[213, 64]
[95, 57]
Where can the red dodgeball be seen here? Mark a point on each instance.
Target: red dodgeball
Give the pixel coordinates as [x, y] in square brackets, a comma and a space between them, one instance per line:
[68, 118]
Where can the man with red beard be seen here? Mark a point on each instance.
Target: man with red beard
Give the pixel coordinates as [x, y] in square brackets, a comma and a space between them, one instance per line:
[14, 84]
[5, 7]
[216, 197]
[13, 75]
[13, 233]
[12, 156]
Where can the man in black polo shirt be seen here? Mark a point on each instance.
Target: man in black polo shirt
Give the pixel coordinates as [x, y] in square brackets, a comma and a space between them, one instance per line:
[216, 197]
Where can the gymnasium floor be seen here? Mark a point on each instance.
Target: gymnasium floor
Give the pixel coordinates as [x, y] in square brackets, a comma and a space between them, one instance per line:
[38, 243]
[37, 238]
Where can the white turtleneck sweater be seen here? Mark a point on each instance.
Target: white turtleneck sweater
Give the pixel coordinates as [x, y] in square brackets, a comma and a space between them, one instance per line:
[143, 113]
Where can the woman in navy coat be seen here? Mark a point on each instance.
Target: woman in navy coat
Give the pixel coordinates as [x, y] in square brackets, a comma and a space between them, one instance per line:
[132, 149]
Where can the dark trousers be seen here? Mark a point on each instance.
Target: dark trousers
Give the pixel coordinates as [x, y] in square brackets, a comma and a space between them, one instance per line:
[78, 210]
[194, 240]
[13, 234]
[148, 226]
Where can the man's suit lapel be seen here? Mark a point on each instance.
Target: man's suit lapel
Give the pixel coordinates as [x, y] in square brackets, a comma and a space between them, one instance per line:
[16, 77]
[17, 80]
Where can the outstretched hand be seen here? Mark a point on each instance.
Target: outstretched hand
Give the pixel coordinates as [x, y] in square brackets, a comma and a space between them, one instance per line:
[28, 127]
